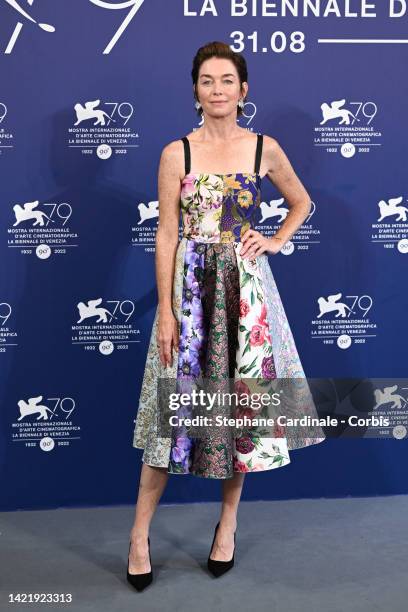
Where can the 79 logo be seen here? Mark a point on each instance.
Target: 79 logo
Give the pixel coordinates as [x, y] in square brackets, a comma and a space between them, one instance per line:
[23, 9]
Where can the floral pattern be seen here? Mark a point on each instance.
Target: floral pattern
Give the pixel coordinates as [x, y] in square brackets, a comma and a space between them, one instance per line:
[201, 206]
[232, 327]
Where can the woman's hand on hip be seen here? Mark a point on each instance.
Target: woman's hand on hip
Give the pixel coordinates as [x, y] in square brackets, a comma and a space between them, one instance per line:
[254, 243]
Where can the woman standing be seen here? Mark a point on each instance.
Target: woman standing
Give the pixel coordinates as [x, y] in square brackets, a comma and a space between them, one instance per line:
[219, 313]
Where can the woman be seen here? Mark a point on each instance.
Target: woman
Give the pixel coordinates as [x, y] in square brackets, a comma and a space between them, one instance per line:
[219, 308]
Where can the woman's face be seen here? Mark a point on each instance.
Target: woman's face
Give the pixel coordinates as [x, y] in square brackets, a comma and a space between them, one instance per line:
[218, 87]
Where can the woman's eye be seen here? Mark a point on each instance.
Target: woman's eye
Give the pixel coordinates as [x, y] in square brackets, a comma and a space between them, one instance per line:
[207, 82]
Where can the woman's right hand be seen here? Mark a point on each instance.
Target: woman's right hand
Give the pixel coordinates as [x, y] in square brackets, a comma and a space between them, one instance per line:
[167, 337]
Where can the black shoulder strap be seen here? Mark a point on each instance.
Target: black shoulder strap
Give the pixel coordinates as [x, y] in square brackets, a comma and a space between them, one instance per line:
[258, 154]
[187, 155]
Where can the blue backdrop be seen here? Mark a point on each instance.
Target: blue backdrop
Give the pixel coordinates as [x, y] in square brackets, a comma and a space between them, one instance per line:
[91, 92]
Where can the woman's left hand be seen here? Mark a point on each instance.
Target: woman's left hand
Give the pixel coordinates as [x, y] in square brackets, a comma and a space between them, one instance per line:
[255, 243]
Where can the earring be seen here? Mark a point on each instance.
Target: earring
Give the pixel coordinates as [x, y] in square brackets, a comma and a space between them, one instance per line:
[197, 105]
[241, 103]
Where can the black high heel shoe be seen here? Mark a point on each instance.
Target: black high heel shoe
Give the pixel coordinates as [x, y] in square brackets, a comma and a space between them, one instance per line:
[140, 581]
[218, 568]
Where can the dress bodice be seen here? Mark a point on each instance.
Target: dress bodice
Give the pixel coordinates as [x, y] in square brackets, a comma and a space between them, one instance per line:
[219, 207]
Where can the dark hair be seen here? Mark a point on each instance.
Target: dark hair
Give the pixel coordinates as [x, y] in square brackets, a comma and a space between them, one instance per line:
[219, 49]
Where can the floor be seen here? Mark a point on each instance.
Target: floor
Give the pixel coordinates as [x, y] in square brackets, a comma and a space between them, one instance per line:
[333, 555]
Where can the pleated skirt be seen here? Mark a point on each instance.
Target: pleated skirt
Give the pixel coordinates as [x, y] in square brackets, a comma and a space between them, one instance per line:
[232, 327]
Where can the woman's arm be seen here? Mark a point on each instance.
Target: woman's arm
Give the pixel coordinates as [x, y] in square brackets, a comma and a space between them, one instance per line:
[168, 229]
[169, 189]
[282, 175]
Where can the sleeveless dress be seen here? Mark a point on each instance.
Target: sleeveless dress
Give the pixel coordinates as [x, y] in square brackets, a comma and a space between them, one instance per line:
[232, 326]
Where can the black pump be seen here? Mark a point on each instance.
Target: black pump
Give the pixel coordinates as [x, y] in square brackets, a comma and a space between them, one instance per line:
[218, 568]
[140, 581]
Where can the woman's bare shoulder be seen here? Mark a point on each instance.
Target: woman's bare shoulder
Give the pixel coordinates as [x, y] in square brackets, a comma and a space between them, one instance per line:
[272, 152]
[270, 144]
[172, 149]
[172, 157]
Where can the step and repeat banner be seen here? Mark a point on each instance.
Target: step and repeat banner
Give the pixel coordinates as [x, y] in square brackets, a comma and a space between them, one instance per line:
[90, 93]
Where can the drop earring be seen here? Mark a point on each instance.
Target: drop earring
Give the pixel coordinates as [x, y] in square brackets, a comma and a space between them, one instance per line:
[241, 103]
[197, 105]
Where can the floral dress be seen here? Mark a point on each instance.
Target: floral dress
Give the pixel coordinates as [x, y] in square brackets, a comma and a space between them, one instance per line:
[233, 333]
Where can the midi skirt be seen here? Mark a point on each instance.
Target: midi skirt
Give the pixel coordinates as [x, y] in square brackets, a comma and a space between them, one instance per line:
[232, 326]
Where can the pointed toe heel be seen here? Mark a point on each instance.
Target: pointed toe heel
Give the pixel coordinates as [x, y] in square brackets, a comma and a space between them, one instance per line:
[140, 581]
[218, 568]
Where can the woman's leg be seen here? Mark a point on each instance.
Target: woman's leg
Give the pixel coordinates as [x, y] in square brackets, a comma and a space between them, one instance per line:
[231, 494]
[153, 481]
